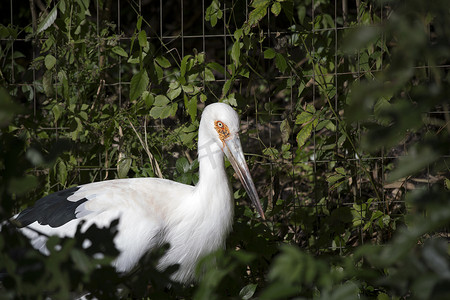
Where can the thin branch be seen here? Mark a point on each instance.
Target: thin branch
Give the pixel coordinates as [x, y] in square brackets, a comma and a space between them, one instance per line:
[153, 162]
[33, 16]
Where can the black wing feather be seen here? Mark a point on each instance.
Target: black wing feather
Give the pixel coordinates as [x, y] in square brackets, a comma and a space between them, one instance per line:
[54, 209]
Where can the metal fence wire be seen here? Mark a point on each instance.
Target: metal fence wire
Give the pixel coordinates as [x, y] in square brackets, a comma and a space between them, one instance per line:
[324, 194]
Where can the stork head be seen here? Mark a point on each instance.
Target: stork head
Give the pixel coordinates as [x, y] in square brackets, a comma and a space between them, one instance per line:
[221, 123]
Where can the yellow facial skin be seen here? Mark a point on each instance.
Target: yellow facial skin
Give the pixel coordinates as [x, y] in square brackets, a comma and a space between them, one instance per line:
[222, 130]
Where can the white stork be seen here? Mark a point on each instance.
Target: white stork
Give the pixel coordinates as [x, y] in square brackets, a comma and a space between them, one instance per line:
[194, 220]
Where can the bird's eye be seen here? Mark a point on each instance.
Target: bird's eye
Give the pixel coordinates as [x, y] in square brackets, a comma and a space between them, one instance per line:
[222, 130]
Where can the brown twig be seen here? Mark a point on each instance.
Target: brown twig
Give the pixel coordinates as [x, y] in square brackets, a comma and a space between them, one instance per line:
[153, 162]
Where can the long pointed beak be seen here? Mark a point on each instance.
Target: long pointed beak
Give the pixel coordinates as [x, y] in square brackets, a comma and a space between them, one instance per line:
[233, 150]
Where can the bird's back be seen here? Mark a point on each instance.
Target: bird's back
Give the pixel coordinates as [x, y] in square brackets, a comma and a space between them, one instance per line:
[141, 204]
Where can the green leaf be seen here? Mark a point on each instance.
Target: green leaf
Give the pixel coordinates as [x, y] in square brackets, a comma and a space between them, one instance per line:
[163, 62]
[22, 185]
[280, 62]
[162, 108]
[173, 109]
[148, 98]
[157, 111]
[173, 93]
[226, 87]
[341, 170]
[48, 20]
[236, 52]
[119, 51]
[159, 72]
[62, 172]
[303, 118]
[304, 134]
[77, 128]
[276, 8]
[213, 12]
[248, 291]
[230, 99]
[359, 37]
[81, 260]
[417, 160]
[138, 84]
[192, 108]
[383, 296]
[161, 100]
[47, 82]
[333, 178]
[259, 3]
[259, 12]
[216, 67]
[182, 165]
[49, 61]
[301, 13]
[208, 75]
[123, 167]
[279, 290]
[189, 88]
[57, 110]
[184, 66]
[62, 6]
[269, 53]
[139, 23]
[244, 72]
[62, 77]
[285, 131]
[288, 9]
[142, 38]
[310, 108]
[271, 152]
[238, 34]
[200, 58]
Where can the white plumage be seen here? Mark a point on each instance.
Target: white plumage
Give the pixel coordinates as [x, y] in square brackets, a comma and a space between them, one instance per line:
[193, 220]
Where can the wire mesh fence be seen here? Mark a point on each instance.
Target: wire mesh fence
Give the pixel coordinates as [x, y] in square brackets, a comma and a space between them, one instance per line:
[323, 190]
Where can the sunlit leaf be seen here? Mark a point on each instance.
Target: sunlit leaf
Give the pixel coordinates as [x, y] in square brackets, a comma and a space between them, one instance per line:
[259, 12]
[285, 131]
[304, 134]
[119, 51]
[208, 75]
[247, 291]
[303, 117]
[276, 8]
[50, 61]
[173, 93]
[57, 111]
[48, 20]
[163, 62]
[161, 100]
[123, 167]
[213, 12]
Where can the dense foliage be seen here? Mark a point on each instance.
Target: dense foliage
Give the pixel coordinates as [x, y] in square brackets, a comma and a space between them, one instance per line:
[345, 117]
